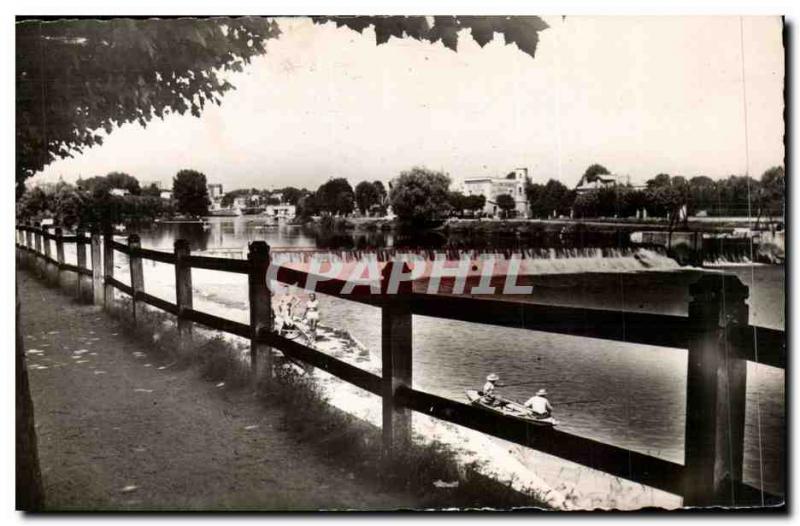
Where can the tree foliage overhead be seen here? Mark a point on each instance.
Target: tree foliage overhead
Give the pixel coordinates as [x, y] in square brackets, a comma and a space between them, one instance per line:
[520, 30]
[75, 78]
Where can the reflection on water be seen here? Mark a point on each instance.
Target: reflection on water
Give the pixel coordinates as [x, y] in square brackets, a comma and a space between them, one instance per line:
[637, 393]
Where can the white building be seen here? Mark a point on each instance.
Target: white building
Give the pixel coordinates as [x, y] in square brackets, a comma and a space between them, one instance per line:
[121, 192]
[281, 211]
[490, 188]
[166, 194]
[215, 191]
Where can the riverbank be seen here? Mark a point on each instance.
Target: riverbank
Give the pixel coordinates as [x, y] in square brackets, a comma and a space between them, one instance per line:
[118, 430]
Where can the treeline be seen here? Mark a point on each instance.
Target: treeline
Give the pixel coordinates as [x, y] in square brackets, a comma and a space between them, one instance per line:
[254, 197]
[116, 198]
[671, 197]
[416, 195]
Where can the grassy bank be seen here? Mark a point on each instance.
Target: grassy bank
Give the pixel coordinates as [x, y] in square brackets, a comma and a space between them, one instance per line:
[350, 445]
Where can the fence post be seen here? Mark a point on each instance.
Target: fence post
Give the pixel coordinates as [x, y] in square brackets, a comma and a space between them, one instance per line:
[183, 295]
[97, 268]
[80, 249]
[29, 257]
[48, 267]
[37, 235]
[20, 241]
[108, 270]
[715, 392]
[260, 311]
[59, 253]
[396, 360]
[137, 275]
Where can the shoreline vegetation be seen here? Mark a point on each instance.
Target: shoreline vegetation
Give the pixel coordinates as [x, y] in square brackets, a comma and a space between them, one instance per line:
[429, 469]
[367, 224]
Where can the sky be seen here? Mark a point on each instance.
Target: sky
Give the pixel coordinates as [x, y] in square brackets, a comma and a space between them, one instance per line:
[640, 95]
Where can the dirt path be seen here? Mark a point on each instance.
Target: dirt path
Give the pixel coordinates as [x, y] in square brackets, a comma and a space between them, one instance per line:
[118, 432]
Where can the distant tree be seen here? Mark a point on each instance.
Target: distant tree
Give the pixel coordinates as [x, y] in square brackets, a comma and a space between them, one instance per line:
[124, 181]
[291, 194]
[344, 203]
[366, 195]
[506, 204]
[457, 202]
[335, 197]
[190, 191]
[702, 194]
[307, 206]
[381, 190]
[151, 190]
[591, 173]
[419, 196]
[661, 179]
[98, 182]
[586, 204]
[69, 205]
[548, 199]
[33, 205]
[773, 185]
[474, 203]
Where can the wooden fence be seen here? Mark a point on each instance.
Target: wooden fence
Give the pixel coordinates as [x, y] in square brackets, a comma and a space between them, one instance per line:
[715, 332]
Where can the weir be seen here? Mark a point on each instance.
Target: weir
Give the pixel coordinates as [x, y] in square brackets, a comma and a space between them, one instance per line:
[716, 334]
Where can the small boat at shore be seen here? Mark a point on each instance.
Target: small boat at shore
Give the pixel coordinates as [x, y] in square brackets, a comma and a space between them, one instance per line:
[510, 408]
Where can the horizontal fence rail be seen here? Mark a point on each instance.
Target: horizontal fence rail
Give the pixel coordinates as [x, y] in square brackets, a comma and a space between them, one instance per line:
[155, 255]
[699, 332]
[632, 327]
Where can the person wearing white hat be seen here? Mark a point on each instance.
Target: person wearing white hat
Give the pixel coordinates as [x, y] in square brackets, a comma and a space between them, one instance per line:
[489, 388]
[539, 404]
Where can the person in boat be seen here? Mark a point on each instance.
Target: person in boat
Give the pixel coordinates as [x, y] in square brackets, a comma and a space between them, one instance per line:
[488, 393]
[286, 313]
[539, 404]
[312, 314]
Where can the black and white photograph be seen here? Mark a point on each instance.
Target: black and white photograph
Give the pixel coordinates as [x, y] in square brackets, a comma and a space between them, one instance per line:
[407, 262]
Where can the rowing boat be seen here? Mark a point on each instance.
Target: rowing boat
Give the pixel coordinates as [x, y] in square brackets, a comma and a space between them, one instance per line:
[510, 408]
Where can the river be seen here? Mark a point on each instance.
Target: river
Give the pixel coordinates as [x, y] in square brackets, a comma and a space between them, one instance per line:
[640, 391]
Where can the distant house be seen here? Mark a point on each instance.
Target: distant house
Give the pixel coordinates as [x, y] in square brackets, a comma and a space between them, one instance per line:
[215, 191]
[166, 194]
[120, 191]
[284, 211]
[490, 188]
[602, 181]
